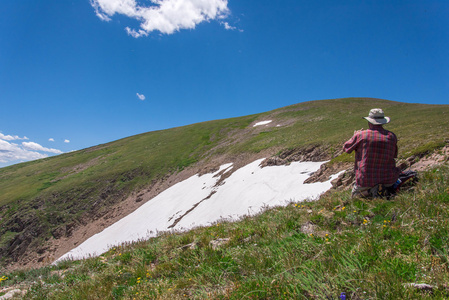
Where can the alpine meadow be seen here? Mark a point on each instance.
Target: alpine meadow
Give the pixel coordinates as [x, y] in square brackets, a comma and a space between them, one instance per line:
[313, 249]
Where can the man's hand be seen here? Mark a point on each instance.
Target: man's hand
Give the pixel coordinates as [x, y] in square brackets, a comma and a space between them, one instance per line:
[355, 131]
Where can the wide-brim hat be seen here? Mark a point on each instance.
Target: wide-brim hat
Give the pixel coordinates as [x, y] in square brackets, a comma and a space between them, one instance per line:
[377, 117]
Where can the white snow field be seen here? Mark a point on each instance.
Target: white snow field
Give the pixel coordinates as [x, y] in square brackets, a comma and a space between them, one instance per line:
[203, 200]
[262, 123]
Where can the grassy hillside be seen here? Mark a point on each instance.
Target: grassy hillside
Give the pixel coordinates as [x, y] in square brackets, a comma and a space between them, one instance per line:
[368, 249]
[44, 199]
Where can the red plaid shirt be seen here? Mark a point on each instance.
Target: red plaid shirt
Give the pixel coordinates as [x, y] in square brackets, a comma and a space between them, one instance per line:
[375, 151]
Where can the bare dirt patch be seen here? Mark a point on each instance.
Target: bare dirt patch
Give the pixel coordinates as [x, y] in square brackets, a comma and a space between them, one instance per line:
[438, 157]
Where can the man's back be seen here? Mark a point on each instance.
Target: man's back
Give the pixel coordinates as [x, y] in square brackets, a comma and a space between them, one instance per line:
[376, 149]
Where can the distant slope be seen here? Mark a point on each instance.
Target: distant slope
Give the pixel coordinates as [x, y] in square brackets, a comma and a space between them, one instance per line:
[48, 200]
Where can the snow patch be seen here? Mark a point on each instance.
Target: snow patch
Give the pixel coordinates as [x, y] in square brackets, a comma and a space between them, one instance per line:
[200, 201]
[262, 123]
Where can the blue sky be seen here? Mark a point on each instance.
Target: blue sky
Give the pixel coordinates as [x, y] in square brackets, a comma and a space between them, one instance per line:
[73, 71]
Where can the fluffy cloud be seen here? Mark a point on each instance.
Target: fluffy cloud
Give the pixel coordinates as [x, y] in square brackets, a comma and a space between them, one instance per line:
[227, 26]
[51, 139]
[140, 96]
[67, 141]
[11, 137]
[165, 16]
[37, 147]
[12, 153]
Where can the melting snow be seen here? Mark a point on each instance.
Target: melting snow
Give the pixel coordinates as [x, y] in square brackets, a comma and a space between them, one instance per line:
[202, 200]
[262, 123]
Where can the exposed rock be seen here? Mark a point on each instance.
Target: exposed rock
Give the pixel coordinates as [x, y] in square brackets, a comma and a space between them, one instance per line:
[435, 158]
[190, 246]
[326, 170]
[308, 228]
[311, 153]
[215, 244]
[420, 286]
[11, 293]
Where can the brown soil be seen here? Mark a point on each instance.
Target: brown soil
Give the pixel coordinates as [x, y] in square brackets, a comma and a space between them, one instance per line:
[436, 158]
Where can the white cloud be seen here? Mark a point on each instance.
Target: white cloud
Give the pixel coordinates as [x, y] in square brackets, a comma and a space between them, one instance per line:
[13, 152]
[165, 16]
[51, 139]
[227, 26]
[37, 147]
[11, 137]
[67, 141]
[140, 96]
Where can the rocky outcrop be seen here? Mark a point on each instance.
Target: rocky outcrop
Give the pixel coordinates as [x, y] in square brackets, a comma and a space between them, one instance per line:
[310, 153]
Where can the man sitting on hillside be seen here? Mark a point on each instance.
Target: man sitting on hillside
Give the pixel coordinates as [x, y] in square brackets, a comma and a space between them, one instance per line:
[375, 151]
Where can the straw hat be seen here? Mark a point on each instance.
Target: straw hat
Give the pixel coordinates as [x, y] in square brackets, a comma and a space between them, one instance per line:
[377, 117]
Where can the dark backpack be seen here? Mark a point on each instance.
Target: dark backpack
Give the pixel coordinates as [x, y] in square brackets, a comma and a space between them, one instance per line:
[382, 191]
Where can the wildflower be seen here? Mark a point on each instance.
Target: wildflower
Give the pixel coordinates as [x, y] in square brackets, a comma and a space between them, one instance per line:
[343, 208]
[384, 226]
[311, 234]
[355, 211]
[327, 234]
[342, 296]
[327, 240]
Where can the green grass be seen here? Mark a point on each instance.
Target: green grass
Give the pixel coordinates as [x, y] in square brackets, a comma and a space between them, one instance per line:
[83, 185]
[369, 249]
[427, 148]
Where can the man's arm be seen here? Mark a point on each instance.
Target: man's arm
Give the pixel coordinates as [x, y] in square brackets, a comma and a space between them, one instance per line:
[352, 143]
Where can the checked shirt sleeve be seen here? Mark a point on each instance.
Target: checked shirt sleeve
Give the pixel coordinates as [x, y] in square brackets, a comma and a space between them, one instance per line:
[351, 144]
